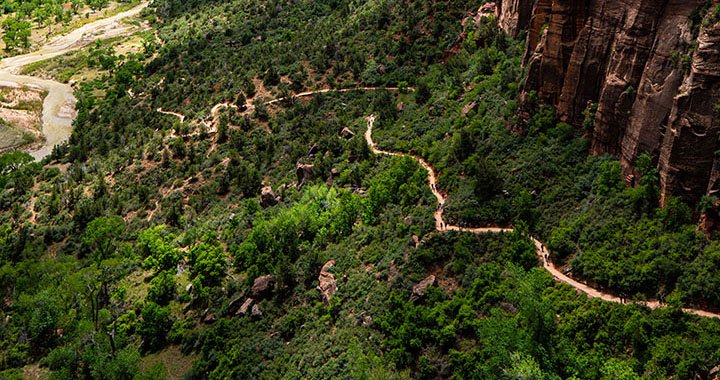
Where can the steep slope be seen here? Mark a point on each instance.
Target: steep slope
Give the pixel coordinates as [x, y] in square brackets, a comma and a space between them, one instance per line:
[644, 75]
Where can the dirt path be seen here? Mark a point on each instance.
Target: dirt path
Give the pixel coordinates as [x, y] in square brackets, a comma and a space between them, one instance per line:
[59, 104]
[440, 225]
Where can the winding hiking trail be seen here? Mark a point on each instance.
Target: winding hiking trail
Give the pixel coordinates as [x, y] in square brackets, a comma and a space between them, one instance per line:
[441, 226]
[58, 109]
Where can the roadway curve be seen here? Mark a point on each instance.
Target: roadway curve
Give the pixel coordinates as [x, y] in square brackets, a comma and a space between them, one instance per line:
[441, 226]
[59, 104]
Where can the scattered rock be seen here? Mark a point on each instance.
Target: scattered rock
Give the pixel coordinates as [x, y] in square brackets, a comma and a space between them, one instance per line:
[400, 106]
[414, 241]
[304, 173]
[262, 286]
[367, 321]
[327, 286]
[419, 289]
[243, 310]
[469, 107]
[189, 288]
[268, 197]
[347, 133]
[210, 318]
[335, 172]
[255, 312]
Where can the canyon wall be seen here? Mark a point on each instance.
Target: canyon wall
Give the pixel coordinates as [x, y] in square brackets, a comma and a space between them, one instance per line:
[650, 68]
[514, 15]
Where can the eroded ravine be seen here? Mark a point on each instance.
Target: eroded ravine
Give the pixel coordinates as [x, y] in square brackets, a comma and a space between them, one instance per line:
[58, 109]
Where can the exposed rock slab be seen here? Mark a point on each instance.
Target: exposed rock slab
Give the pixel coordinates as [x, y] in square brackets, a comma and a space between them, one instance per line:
[420, 288]
[327, 283]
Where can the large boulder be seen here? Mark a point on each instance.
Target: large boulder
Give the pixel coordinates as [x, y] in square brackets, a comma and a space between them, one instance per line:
[327, 283]
[262, 286]
[419, 289]
[268, 197]
[304, 173]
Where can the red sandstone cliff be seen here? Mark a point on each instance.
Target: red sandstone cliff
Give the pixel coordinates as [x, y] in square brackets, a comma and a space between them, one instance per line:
[652, 71]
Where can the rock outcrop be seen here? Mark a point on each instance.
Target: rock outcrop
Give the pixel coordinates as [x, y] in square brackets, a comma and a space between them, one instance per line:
[268, 197]
[304, 173]
[420, 288]
[514, 15]
[327, 283]
[246, 307]
[646, 71]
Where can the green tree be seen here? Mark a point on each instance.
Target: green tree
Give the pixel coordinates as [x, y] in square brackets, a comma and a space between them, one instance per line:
[101, 236]
[156, 247]
[155, 325]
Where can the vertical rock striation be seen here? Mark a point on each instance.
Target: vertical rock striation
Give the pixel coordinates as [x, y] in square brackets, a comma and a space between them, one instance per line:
[652, 72]
[514, 15]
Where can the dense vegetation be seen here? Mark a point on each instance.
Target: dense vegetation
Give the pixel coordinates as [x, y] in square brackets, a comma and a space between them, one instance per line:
[128, 252]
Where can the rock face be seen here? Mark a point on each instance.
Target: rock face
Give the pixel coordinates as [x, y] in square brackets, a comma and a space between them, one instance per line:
[419, 289]
[648, 72]
[514, 15]
[262, 286]
[327, 283]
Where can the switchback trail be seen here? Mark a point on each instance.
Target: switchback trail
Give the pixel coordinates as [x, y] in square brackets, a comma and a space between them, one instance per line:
[58, 109]
[441, 226]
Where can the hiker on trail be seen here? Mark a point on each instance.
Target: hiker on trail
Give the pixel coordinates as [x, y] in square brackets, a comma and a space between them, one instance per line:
[661, 297]
[623, 297]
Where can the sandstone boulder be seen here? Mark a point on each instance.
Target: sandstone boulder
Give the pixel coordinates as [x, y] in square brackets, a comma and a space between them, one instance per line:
[268, 197]
[419, 289]
[327, 283]
[262, 286]
[246, 307]
[347, 133]
[304, 173]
